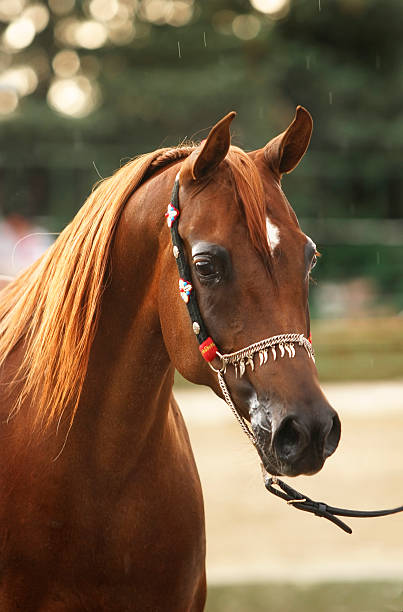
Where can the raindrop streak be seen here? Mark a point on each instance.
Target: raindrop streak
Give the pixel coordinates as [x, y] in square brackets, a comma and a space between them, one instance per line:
[179, 50]
[319, 5]
[308, 62]
[330, 97]
[204, 39]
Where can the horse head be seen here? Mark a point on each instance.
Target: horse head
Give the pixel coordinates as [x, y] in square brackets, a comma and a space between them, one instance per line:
[250, 266]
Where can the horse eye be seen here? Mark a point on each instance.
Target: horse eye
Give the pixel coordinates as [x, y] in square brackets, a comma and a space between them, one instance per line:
[205, 267]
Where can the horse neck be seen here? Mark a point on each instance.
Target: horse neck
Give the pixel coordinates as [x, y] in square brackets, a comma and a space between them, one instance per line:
[126, 394]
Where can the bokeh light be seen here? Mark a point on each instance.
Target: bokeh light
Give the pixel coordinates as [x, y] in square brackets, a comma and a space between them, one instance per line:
[104, 10]
[246, 27]
[123, 14]
[75, 97]
[10, 9]
[181, 13]
[22, 79]
[122, 34]
[276, 9]
[66, 63]
[90, 34]
[61, 7]
[38, 14]
[19, 34]
[172, 12]
[8, 101]
[65, 31]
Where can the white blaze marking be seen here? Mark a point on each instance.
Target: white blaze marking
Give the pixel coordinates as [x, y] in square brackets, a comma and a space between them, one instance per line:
[273, 234]
[309, 240]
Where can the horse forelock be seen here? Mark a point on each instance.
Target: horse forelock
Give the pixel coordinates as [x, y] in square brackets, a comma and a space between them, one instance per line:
[249, 189]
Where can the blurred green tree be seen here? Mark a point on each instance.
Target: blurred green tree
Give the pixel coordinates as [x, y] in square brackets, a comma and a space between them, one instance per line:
[113, 78]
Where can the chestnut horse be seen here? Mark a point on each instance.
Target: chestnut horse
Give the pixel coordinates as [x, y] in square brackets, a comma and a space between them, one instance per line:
[101, 505]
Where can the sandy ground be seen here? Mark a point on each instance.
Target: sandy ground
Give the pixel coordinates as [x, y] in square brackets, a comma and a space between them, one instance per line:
[253, 536]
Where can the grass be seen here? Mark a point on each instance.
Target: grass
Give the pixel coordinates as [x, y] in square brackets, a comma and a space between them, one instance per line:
[323, 597]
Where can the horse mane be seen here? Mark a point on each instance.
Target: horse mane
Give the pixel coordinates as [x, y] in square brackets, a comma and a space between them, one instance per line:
[53, 307]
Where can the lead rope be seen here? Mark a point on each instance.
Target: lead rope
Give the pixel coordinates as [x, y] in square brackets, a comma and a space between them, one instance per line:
[293, 497]
[243, 358]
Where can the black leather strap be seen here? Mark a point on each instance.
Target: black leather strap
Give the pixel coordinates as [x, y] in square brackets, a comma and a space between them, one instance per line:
[302, 502]
[184, 268]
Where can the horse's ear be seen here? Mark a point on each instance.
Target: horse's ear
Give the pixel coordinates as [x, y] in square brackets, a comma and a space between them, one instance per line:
[214, 148]
[284, 152]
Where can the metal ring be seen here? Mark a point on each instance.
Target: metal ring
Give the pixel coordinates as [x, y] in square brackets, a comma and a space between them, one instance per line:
[223, 362]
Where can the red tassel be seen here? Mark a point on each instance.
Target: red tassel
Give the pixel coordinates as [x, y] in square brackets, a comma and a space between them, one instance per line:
[208, 349]
[310, 337]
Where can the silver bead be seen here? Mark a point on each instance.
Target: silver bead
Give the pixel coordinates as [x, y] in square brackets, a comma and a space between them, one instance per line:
[176, 252]
[196, 328]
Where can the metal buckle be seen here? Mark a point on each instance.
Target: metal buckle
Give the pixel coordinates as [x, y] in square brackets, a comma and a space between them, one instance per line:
[223, 364]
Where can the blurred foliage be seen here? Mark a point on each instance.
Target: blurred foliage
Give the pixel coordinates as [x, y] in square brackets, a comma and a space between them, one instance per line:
[342, 59]
[330, 597]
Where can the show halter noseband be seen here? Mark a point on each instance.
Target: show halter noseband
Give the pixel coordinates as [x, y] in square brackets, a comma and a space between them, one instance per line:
[239, 360]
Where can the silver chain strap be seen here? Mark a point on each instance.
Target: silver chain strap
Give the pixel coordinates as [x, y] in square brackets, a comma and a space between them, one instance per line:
[231, 404]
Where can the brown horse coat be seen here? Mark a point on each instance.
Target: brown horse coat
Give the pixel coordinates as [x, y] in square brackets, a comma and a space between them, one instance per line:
[101, 506]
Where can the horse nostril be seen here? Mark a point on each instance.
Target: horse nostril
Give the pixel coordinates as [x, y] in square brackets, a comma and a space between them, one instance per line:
[332, 438]
[289, 440]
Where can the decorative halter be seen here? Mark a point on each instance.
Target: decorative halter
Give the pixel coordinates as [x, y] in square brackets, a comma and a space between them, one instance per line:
[240, 360]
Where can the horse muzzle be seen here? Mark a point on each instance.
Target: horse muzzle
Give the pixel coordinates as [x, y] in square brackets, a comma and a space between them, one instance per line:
[296, 440]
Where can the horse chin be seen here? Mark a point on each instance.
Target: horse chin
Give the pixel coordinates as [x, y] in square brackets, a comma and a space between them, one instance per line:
[277, 468]
[274, 467]
[290, 470]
